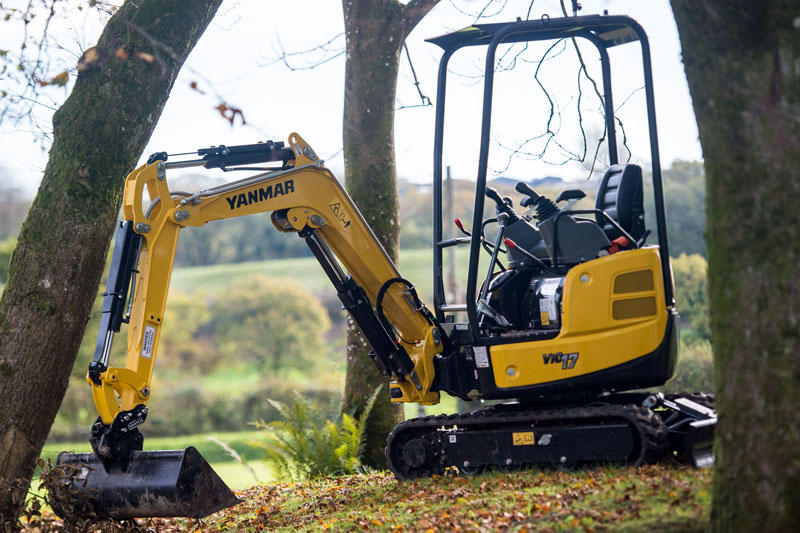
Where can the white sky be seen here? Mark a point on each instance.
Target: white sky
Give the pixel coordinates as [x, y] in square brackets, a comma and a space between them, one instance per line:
[235, 53]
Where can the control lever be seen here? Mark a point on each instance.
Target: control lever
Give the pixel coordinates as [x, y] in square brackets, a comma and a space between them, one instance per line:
[545, 208]
[494, 195]
[486, 244]
[504, 205]
[532, 196]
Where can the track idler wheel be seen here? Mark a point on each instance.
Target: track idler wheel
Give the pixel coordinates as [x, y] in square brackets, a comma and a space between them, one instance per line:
[413, 454]
[418, 453]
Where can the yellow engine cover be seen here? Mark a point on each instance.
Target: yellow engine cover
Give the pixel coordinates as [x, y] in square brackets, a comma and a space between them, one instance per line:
[613, 311]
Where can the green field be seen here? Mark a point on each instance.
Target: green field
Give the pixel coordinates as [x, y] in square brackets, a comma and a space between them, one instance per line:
[414, 265]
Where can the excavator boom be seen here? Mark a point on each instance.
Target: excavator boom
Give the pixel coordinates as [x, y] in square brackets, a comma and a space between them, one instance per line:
[303, 197]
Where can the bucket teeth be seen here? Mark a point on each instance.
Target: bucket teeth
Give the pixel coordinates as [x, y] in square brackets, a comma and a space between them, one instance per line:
[167, 483]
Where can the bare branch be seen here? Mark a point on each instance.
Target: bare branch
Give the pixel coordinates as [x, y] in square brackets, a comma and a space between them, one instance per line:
[425, 101]
[482, 13]
[329, 50]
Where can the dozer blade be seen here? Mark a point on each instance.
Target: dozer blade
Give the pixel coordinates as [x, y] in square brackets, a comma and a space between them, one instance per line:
[699, 443]
[157, 484]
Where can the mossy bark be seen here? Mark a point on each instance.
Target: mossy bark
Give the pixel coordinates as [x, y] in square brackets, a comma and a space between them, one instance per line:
[375, 31]
[99, 134]
[742, 61]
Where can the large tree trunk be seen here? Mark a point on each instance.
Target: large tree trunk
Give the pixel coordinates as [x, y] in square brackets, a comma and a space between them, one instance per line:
[375, 31]
[741, 59]
[99, 134]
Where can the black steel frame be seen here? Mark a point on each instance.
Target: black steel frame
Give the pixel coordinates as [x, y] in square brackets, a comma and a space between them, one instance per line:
[602, 31]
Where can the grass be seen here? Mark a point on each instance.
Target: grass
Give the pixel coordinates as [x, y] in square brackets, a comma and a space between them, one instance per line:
[672, 498]
[652, 498]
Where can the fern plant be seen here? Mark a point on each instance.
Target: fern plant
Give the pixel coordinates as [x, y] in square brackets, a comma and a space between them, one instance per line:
[306, 444]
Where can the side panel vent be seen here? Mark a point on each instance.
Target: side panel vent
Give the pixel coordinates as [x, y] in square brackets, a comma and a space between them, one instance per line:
[639, 281]
[634, 308]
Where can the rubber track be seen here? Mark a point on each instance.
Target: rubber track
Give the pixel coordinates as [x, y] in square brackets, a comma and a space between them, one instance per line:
[651, 433]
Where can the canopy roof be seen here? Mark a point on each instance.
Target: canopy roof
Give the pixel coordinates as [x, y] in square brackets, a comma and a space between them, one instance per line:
[610, 30]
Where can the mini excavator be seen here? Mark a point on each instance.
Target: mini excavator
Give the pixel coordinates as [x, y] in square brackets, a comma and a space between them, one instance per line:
[580, 319]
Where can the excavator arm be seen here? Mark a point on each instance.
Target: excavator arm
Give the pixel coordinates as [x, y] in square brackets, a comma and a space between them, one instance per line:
[304, 198]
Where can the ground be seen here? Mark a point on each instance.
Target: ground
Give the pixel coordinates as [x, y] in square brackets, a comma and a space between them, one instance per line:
[653, 498]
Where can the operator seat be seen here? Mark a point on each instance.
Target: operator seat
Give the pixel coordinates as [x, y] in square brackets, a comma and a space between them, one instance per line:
[620, 195]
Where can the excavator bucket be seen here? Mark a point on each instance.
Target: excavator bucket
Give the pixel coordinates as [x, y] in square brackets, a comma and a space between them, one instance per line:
[157, 484]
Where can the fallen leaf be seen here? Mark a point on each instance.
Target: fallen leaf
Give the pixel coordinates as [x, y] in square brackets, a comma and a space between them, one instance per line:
[144, 56]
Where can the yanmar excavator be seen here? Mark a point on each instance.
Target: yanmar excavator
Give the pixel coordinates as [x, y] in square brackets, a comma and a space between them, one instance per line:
[581, 314]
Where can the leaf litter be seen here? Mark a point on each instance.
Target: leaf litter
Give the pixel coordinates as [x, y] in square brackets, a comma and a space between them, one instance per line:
[668, 497]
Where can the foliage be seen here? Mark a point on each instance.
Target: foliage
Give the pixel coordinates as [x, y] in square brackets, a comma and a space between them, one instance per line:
[187, 404]
[307, 445]
[254, 318]
[695, 369]
[275, 322]
[691, 287]
[6, 249]
[184, 340]
[685, 202]
[651, 498]
[250, 238]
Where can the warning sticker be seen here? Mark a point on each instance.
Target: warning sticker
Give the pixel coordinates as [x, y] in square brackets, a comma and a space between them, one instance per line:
[524, 438]
[548, 305]
[147, 344]
[481, 356]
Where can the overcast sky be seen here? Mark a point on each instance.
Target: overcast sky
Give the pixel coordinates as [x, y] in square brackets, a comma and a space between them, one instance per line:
[236, 59]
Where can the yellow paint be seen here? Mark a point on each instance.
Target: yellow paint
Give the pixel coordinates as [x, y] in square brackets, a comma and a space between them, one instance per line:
[588, 326]
[307, 189]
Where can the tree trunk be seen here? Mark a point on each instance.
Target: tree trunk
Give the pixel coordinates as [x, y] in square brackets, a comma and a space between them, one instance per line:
[99, 134]
[741, 61]
[375, 31]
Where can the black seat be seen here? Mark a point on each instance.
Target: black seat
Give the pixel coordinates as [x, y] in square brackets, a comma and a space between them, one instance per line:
[620, 195]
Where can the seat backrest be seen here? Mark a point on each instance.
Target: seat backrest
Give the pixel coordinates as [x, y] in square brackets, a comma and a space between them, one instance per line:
[620, 195]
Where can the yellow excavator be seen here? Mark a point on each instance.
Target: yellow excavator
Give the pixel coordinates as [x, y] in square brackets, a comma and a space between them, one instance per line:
[571, 324]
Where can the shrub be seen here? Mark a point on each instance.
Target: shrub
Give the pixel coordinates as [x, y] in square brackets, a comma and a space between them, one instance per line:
[6, 249]
[695, 369]
[307, 445]
[275, 322]
[691, 286]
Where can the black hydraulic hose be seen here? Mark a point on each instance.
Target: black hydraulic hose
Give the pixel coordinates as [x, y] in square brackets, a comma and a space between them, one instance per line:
[417, 303]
